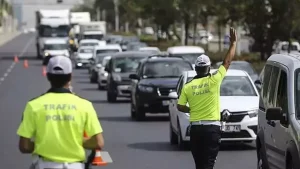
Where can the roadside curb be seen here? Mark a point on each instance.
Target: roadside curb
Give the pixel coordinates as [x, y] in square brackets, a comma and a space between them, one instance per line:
[6, 37]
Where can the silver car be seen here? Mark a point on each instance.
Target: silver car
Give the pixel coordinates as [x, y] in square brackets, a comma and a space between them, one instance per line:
[102, 74]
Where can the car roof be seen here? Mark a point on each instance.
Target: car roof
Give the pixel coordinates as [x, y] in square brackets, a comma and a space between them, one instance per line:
[185, 49]
[89, 40]
[158, 59]
[230, 72]
[235, 61]
[55, 41]
[108, 46]
[292, 60]
[132, 53]
[86, 47]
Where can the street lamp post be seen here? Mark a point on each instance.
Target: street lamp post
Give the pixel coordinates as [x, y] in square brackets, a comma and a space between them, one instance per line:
[116, 5]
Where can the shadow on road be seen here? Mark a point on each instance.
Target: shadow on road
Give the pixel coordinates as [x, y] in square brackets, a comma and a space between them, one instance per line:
[154, 146]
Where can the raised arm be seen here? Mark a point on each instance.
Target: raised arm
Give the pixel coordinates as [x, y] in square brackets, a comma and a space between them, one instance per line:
[231, 52]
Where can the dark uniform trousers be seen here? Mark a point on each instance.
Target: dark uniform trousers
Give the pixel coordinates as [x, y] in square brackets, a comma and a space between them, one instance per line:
[205, 142]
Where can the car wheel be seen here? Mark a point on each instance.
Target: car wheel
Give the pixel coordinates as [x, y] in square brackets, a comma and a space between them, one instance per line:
[260, 163]
[111, 97]
[290, 164]
[132, 111]
[181, 144]
[140, 113]
[173, 136]
[100, 87]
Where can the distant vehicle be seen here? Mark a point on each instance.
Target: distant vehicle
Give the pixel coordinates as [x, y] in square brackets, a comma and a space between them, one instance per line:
[135, 46]
[83, 56]
[119, 67]
[102, 74]
[76, 19]
[92, 30]
[113, 39]
[128, 39]
[110, 48]
[189, 53]
[155, 78]
[91, 42]
[150, 49]
[96, 65]
[238, 95]
[283, 46]
[56, 46]
[242, 65]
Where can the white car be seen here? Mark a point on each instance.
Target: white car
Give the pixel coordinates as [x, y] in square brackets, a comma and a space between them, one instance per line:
[56, 46]
[91, 42]
[151, 49]
[83, 56]
[238, 95]
[102, 74]
[189, 53]
[110, 48]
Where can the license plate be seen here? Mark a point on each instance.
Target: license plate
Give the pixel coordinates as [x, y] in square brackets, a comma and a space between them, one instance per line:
[165, 102]
[232, 128]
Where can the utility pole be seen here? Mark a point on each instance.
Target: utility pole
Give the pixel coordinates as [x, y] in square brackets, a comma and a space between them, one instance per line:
[116, 4]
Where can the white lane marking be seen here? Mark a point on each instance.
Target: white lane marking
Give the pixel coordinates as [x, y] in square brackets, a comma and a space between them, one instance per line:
[11, 67]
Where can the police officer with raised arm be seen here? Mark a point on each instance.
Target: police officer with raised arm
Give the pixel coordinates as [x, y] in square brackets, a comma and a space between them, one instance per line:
[54, 123]
[203, 97]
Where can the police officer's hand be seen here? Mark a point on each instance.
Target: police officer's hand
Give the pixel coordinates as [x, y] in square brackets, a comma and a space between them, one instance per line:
[233, 36]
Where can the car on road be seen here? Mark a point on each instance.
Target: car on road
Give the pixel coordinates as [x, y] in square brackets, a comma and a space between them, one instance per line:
[128, 39]
[278, 131]
[135, 46]
[119, 67]
[155, 78]
[83, 56]
[102, 74]
[242, 65]
[189, 53]
[56, 46]
[96, 64]
[155, 50]
[91, 42]
[238, 95]
[113, 39]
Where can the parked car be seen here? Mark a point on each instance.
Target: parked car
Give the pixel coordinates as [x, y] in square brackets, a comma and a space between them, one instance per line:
[119, 67]
[155, 78]
[238, 95]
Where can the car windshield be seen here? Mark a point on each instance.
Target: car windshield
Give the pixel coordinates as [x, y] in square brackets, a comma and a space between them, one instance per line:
[235, 86]
[107, 51]
[100, 57]
[165, 69]
[89, 44]
[126, 64]
[86, 51]
[98, 37]
[56, 46]
[191, 57]
[293, 47]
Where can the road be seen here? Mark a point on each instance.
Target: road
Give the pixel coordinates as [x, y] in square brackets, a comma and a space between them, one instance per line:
[132, 145]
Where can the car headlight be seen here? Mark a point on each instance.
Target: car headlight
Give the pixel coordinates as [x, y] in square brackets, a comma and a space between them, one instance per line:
[46, 54]
[145, 88]
[104, 74]
[117, 78]
[253, 113]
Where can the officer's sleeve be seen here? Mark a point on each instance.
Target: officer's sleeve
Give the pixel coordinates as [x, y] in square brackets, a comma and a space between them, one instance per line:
[92, 125]
[219, 75]
[182, 98]
[27, 127]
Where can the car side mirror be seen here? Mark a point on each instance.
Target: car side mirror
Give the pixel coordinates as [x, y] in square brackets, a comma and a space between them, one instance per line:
[173, 95]
[274, 113]
[257, 82]
[134, 76]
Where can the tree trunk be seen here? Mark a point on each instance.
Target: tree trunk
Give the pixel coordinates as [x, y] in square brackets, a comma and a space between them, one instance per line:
[219, 35]
[194, 31]
[186, 29]
[127, 27]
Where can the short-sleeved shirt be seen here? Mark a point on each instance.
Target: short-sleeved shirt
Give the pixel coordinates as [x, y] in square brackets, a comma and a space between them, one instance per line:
[57, 121]
[203, 96]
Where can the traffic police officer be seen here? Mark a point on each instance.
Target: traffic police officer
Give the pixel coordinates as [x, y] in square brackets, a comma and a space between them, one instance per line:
[203, 96]
[57, 120]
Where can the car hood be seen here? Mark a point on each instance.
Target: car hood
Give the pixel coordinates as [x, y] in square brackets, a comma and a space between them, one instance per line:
[239, 103]
[56, 52]
[160, 82]
[84, 55]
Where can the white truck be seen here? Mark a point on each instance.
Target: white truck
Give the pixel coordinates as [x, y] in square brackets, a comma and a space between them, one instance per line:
[76, 19]
[51, 24]
[93, 30]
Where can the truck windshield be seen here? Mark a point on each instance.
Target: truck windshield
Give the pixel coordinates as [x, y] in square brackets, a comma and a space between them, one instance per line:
[98, 37]
[48, 31]
[56, 46]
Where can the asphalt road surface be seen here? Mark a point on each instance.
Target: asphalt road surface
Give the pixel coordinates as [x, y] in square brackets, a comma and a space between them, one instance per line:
[132, 145]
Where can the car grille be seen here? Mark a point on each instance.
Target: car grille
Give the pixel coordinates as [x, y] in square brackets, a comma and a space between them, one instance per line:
[236, 117]
[242, 134]
[164, 91]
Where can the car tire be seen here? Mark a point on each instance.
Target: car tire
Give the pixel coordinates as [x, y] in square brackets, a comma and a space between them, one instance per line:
[132, 111]
[180, 142]
[173, 136]
[290, 164]
[111, 98]
[140, 113]
[100, 87]
[260, 163]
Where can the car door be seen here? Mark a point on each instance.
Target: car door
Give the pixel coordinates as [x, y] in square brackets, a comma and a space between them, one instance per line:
[279, 133]
[173, 105]
[269, 103]
[134, 83]
[176, 113]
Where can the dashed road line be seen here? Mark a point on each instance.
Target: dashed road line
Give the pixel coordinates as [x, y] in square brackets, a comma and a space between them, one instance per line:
[11, 67]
